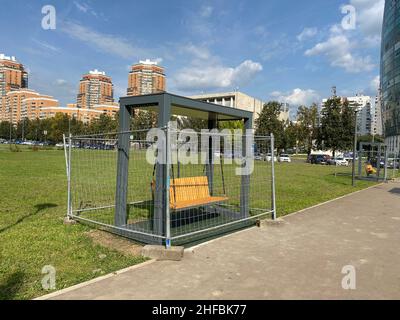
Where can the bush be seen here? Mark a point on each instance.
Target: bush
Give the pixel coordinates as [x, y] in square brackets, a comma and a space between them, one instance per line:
[15, 148]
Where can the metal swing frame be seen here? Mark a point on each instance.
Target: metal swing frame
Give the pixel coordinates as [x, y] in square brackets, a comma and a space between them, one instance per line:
[166, 105]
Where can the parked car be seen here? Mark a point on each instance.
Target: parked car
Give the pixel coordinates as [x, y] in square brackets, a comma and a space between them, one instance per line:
[259, 157]
[393, 163]
[341, 162]
[285, 158]
[319, 159]
[338, 162]
[374, 163]
[269, 158]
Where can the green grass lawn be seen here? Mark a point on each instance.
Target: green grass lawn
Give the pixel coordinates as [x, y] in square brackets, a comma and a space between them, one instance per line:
[33, 204]
[32, 234]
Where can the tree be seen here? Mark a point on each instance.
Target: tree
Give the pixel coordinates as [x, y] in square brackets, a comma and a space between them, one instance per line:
[307, 125]
[268, 122]
[59, 125]
[143, 119]
[191, 123]
[290, 136]
[348, 124]
[104, 124]
[337, 125]
[5, 127]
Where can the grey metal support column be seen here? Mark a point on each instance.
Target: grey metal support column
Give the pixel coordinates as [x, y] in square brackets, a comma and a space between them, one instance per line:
[122, 167]
[245, 181]
[385, 175]
[360, 154]
[378, 175]
[159, 218]
[212, 124]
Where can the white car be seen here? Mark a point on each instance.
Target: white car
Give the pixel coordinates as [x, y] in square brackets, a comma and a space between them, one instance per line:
[341, 162]
[285, 158]
[269, 158]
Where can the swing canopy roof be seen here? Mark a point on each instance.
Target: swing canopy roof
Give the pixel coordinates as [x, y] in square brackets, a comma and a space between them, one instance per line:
[170, 104]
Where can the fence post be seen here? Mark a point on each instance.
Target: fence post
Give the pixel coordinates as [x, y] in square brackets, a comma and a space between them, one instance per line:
[68, 168]
[167, 187]
[273, 196]
[386, 164]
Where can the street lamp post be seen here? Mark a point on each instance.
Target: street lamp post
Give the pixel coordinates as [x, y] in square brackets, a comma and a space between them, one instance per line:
[353, 175]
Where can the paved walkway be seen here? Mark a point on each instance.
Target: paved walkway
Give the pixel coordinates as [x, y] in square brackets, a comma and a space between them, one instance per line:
[301, 260]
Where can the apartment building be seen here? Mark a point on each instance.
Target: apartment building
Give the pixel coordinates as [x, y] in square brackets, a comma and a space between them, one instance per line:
[363, 104]
[85, 115]
[377, 124]
[365, 112]
[95, 88]
[12, 75]
[146, 77]
[24, 103]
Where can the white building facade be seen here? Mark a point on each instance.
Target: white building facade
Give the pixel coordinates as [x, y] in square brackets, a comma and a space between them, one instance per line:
[365, 114]
[241, 101]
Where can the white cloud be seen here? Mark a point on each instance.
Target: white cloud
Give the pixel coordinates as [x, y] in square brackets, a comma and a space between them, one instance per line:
[216, 77]
[279, 48]
[61, 82]
[206, 11]
[375, 84]
[298, 97]
[104, 42]
[198, 52]
[369, 15]
[338, 49]
[276, 94]
[341, 45]
[307, 33]
[85, 8]
[46, 46]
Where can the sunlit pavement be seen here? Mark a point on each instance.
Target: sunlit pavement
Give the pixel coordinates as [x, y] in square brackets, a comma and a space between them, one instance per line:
[302, 259]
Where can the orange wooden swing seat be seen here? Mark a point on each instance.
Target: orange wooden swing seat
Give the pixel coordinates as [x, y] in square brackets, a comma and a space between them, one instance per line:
[186, 193]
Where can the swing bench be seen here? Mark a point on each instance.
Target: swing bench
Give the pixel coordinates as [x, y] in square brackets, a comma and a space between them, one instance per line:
[190, 192]
[186, 193]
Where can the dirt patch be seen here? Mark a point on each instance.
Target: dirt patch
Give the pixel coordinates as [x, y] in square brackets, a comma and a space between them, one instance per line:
[108, 240]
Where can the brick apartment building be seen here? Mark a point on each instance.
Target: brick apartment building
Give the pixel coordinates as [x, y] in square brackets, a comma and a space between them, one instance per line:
[12, 75]
[95, 88]
[146, 77]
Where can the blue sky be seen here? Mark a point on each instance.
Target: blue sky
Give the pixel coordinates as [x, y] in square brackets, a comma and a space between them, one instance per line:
[292, 51]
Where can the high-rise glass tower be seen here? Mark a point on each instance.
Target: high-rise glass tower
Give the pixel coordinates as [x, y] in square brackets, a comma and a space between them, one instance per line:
[390, 74]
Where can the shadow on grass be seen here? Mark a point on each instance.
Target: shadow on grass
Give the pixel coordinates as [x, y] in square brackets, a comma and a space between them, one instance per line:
[38, 207]
[11, 285]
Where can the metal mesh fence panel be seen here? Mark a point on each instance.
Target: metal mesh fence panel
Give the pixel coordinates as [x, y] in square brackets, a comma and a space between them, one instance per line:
[373, 162]
[202, 190]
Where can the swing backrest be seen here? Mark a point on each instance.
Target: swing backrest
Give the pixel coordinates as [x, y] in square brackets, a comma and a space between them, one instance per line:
[188, 189]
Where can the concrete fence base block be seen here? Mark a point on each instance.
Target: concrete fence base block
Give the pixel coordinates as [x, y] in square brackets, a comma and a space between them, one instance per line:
[163, 254]
[68, 221]
[271, 223]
